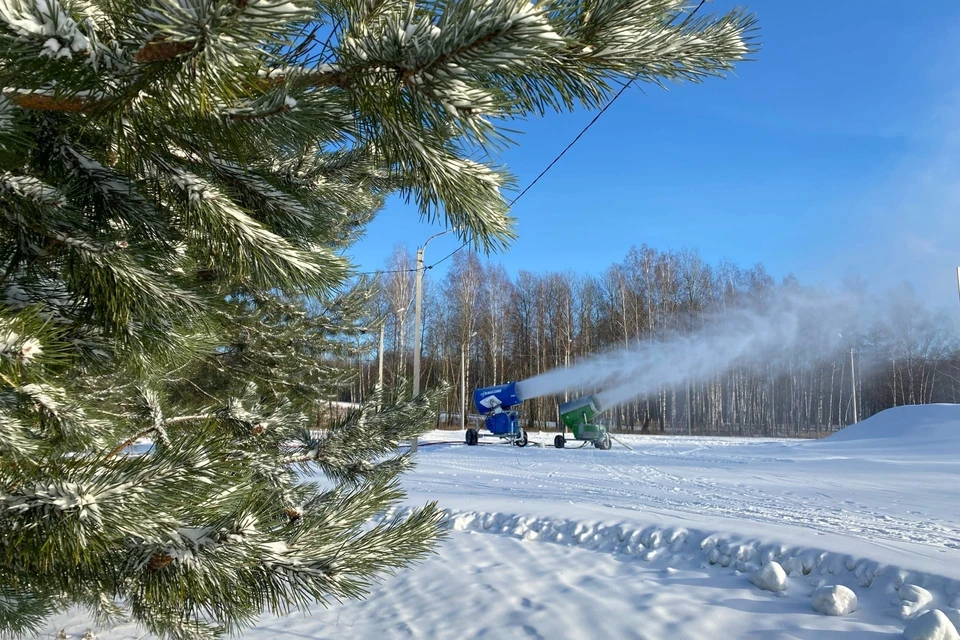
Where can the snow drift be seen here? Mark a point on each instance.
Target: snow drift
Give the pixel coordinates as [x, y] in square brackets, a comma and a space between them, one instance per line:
[917, 428]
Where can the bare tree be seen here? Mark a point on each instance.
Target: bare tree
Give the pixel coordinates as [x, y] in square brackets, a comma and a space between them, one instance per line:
[398, 293]
[534, 322]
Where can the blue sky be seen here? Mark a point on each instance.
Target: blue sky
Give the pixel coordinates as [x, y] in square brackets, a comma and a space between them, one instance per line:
[836, 151]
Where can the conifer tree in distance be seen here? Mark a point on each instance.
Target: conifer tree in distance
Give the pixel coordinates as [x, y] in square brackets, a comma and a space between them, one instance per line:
[178, 179]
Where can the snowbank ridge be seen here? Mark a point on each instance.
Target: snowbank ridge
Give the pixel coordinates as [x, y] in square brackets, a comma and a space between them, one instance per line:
[819, 573]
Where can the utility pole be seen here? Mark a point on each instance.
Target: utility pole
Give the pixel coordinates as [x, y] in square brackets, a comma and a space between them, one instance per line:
[689, 410]
[463, 386]
[416, 326]
[380, 358]
[359, 397]
[853, 381]
[958, 279]
[463, 381]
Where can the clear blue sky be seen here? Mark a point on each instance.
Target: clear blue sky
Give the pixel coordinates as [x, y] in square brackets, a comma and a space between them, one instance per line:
[836, 151]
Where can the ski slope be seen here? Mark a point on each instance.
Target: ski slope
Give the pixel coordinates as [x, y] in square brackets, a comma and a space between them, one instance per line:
[667, 538]
[865, 491]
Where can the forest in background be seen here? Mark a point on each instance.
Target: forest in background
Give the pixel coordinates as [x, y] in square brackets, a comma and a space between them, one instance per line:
[500, 328]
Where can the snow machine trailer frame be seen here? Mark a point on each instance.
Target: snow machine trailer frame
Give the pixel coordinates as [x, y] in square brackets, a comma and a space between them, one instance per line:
[500, 420]
[576, 415]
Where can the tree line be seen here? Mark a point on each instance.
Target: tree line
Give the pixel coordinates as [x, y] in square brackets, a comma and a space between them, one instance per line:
[497, 327]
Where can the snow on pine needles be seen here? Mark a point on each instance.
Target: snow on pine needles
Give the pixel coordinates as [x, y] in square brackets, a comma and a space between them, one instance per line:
[857, 534]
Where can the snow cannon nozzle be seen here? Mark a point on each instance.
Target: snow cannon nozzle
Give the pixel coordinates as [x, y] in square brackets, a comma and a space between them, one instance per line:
[579, 411]
[502, 396]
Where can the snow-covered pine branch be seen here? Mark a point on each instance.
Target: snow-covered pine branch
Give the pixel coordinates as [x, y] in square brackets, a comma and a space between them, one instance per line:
[178, 179]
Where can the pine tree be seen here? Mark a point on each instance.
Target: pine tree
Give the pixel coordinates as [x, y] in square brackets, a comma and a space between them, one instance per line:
[176, 179]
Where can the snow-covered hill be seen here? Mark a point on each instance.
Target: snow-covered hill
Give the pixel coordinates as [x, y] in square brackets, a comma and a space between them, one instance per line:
[932, 428]
[670, 539]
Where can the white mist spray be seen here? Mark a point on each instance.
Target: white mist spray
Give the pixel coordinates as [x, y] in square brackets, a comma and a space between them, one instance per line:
[798, 324]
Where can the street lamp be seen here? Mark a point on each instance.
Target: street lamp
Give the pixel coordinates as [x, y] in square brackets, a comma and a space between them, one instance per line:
[416, 325]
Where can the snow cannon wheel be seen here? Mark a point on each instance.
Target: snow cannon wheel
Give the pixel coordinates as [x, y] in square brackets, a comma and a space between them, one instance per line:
[603, 443]
[472, 437]
[522, 439]
[559, 441]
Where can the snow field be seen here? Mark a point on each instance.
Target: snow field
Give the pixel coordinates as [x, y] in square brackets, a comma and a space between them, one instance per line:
[831, 581]
[504, 583]
[849, 538]
[500, 586]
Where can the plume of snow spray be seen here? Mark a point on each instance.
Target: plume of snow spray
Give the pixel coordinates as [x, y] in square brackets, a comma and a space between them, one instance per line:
[798, 324]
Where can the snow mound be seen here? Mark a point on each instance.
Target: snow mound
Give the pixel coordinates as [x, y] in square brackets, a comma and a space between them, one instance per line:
[933, 625]
[913, 599]
[744, 556]
[771, 577]
[933, 425]
[834, 600]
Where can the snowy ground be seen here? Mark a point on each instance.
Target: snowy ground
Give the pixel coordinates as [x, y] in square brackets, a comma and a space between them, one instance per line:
[662, 541]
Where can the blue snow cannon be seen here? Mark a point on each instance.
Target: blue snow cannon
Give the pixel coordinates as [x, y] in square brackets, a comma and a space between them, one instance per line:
[488, 399]
[500, 421]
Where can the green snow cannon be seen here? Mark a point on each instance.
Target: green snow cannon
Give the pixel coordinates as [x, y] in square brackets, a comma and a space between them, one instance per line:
[576, 416]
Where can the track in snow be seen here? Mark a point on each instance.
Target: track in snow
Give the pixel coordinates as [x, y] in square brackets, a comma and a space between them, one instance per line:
[660, 541]
[786, 484]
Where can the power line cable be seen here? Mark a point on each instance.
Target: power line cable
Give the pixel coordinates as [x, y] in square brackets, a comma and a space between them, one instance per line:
[549, 166]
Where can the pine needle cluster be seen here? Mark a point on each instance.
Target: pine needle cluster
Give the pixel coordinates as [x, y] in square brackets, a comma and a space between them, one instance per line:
[178, 181]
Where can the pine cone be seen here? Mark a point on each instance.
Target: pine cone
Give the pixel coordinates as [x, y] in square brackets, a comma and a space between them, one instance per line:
[159, 561]
[161, 49]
